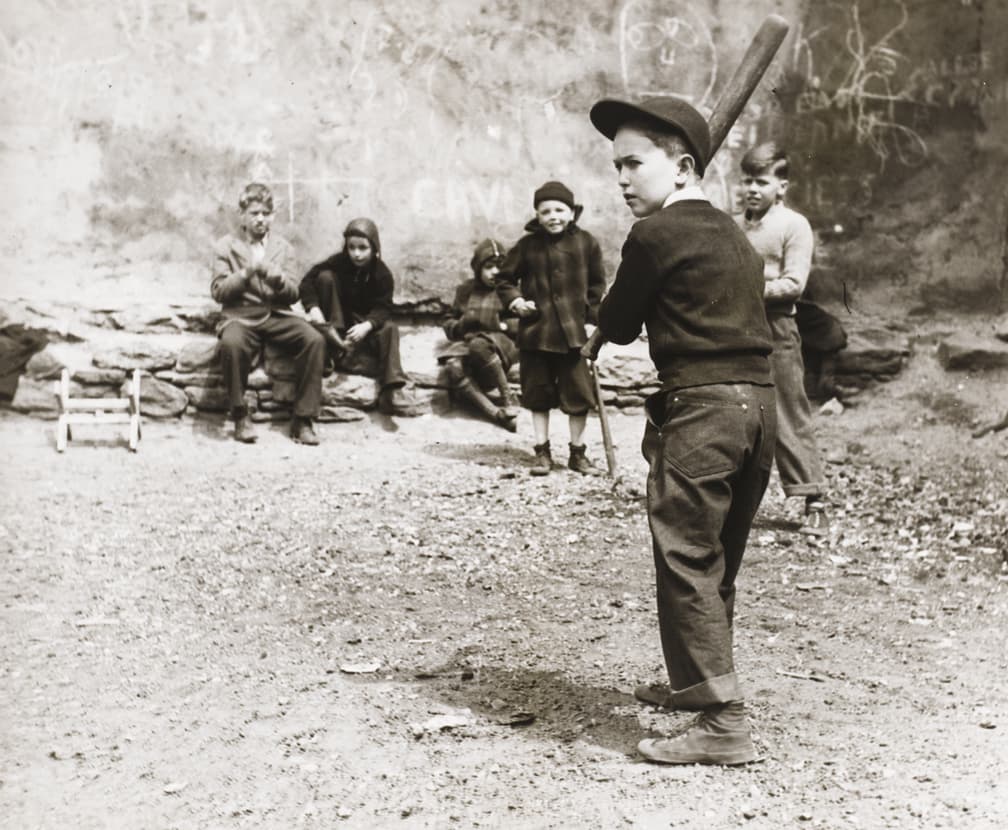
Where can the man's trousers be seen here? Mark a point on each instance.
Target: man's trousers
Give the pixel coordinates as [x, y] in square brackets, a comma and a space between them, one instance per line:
[240, 342]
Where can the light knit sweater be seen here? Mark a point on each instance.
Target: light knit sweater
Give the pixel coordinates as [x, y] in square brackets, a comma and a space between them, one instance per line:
[783, 237]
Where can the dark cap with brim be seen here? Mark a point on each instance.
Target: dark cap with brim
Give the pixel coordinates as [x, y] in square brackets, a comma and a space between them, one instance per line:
[668, 115]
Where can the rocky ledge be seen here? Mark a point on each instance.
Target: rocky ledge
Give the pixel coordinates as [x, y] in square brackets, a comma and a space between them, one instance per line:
[177, 355]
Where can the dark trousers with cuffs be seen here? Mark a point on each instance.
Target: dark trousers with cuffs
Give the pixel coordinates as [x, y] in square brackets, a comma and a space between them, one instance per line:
[797, 453]
[240, 342]
[710, 450]
[381, 346]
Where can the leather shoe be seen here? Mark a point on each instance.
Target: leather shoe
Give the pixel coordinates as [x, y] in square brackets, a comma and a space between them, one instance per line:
[720, 735]
[244, 431]
[303, 432]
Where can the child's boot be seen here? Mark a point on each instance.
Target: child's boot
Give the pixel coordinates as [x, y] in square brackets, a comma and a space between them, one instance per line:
[470, 392]
[504, 387]
[579, 462]
[543, 461]
[719, 736]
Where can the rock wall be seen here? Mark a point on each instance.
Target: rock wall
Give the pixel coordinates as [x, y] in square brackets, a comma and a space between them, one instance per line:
[129, 127]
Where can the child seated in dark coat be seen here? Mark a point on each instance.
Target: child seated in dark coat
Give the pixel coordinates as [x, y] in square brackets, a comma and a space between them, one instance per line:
[349, 298]
[482, 345]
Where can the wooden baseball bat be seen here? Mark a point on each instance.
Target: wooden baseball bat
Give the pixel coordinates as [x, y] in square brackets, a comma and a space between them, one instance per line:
[743, 83]
[610, 452]
[735, 96]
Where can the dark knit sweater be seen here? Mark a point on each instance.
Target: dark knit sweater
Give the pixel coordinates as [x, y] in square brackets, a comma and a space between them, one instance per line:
[689, 275]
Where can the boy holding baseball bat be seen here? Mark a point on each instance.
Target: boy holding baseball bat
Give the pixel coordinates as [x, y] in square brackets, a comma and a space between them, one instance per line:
[690, 277]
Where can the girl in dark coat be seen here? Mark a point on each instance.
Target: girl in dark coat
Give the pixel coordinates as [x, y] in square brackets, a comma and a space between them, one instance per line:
[349, 297]
[482, 345]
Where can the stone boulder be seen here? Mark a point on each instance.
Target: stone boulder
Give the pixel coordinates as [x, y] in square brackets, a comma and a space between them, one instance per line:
[969, 352]
[353, 391]
[340, 415]
[203, 319]
[206, 398]
[98, 377]
[145, 321]
[35, 397]
[139, 355]
[258, 379]
[44, 365]
[198, 356]
[190, 378]
[1001, 328]
[872, 353]
[158, 398]
[278, 363]
[95, 390]
[283, 392]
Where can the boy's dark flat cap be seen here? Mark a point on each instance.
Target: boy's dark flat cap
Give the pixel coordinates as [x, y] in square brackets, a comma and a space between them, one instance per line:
[665, 114]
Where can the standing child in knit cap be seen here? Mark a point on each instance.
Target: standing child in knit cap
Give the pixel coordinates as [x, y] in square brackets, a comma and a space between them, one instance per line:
[482, 345]
[783, 237]
[553, 279]
[349, 297]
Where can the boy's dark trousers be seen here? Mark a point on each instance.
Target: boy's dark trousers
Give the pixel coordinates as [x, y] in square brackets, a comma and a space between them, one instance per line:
[381, 345]
[240, 342]
[710, 450]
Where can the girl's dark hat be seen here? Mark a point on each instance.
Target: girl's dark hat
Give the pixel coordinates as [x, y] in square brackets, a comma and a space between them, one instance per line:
[665, 114]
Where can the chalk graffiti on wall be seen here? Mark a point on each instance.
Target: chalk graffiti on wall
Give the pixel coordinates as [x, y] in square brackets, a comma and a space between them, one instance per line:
[666, 49]
[872, 92]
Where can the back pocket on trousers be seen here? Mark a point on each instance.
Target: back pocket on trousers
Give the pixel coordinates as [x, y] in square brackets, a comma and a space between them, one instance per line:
[701, 439]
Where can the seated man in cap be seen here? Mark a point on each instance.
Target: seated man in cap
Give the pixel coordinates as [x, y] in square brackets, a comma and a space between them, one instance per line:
[689, 276]
[252, 281]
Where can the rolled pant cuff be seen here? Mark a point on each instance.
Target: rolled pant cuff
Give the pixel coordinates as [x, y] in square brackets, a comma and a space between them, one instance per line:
[804, 489]
[721, 689]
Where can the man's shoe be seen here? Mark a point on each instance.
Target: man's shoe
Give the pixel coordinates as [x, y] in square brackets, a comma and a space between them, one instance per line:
[394, 401]
[579, 462]
[657, 694]
[816, 521]
[543, 460]
[719, 736]
[303, 432]
[244, 431]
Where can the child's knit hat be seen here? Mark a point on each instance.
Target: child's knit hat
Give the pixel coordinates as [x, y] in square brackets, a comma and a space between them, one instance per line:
[555, 191]
[363, 226]
[487, 249]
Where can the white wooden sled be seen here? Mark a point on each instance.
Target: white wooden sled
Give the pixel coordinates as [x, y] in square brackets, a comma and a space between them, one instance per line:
[97, 411]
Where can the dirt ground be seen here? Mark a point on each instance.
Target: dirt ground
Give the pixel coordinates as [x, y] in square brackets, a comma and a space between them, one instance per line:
[401, 628]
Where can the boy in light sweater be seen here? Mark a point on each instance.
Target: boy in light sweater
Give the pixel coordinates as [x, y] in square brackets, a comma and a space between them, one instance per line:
[783, 237]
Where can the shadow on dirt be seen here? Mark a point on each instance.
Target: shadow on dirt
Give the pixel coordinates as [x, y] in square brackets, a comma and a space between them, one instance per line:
[545, 705]
[489, 455]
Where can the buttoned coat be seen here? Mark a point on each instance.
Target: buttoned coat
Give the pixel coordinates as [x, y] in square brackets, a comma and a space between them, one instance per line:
[565, 277]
